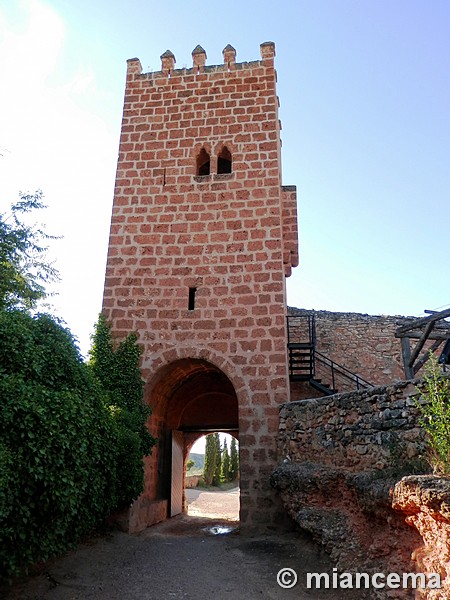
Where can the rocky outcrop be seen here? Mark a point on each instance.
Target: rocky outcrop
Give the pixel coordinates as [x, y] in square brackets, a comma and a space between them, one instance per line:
[350, 515]
[342, 457]
[425, 499]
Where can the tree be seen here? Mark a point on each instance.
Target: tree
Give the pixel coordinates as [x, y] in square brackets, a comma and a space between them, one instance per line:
[210, 460]
[211, 469]
[218, 457]
[225, 468]
[190, 463]
[234, 460]
[24, 266]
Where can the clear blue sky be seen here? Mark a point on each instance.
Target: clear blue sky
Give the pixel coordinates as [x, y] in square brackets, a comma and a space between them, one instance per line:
[365, 105]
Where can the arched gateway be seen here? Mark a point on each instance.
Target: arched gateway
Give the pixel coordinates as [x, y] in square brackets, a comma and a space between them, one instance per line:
[197, 263]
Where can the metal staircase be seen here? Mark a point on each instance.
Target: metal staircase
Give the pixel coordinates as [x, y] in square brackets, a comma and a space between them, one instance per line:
[307, 364]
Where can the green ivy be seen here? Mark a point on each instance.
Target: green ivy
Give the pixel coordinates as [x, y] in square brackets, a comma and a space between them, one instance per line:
[116, 366]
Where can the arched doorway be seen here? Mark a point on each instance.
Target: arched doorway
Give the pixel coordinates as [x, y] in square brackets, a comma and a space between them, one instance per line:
[189, 397]
[212, 486]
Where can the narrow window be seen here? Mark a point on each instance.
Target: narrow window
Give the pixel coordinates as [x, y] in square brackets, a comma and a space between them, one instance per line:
[224, 161]
[191, 302]
[203, 163]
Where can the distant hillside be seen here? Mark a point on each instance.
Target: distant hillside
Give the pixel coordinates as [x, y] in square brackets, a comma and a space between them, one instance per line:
[199, 460]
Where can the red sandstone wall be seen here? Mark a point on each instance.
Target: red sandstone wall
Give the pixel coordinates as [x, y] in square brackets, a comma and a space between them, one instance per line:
[231, 236]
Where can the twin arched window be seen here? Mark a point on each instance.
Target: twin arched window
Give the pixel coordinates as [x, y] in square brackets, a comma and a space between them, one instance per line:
[224, 162]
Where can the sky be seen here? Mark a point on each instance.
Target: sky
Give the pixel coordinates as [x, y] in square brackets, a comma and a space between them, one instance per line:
[364, 89]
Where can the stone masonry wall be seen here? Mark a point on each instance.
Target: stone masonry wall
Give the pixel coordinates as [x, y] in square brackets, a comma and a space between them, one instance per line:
[364, 344]
[356, 431]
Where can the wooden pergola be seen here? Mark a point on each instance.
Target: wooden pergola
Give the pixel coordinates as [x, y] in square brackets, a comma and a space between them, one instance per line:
[430, 328]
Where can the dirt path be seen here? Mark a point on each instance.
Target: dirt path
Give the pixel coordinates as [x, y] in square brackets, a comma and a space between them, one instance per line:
[213, 504]
[182, 559]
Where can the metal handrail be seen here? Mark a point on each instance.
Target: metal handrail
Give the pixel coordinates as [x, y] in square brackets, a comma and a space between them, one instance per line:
[337, 369]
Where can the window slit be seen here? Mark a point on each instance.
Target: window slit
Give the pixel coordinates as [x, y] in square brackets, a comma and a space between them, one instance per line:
[191, 301]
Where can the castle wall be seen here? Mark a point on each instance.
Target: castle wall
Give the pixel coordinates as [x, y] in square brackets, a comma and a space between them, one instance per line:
[355, 431]
[364, 344]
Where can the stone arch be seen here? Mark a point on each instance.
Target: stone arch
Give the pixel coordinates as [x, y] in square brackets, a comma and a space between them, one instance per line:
[191, 393]
[224, 162]
[203, 162]
[155, 367]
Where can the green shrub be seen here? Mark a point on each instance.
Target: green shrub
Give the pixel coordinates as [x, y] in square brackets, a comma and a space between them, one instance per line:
[57, 451]
[436, 416]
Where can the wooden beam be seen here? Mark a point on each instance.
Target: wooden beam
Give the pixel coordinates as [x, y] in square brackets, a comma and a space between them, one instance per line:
[426, 355]
[406, 353]
[418, 347]
[434, 335]
[443, 314]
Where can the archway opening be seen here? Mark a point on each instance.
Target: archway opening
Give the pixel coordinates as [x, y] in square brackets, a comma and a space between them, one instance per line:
[203, 163]
[212, 477]
[190, 398]
[224, 162]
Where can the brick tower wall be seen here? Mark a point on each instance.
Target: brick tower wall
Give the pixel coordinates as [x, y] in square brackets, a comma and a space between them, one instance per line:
[232, 237]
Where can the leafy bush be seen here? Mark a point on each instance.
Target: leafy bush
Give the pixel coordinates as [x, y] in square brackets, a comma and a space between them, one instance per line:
[436, 416]
[57, 450]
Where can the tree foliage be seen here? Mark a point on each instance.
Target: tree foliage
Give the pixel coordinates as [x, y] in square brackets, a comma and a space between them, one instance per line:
[211, 470]
[24, 266]
[436, 416]
[117, 370]
[225, 467]
[234, 460]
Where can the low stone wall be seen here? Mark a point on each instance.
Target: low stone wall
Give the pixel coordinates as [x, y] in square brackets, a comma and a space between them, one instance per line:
[191, 481]
[357, 431]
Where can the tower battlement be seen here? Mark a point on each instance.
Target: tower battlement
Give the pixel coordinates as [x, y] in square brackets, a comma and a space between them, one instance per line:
[199, 66]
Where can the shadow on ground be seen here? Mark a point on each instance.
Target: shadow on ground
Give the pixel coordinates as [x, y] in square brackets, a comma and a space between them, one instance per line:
[181, 559]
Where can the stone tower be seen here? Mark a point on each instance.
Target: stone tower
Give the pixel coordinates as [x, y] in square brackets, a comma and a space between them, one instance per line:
[202, 237]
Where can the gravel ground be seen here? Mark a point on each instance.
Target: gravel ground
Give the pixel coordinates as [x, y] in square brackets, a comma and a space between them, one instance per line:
[181, 559]
[213, 504]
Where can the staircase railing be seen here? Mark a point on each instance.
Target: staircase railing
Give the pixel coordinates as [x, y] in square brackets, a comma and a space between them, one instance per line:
[305, 362]
[339, 375]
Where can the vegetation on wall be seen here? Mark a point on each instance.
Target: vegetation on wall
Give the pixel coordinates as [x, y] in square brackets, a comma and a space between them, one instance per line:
[117, 370]
[436, 416]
